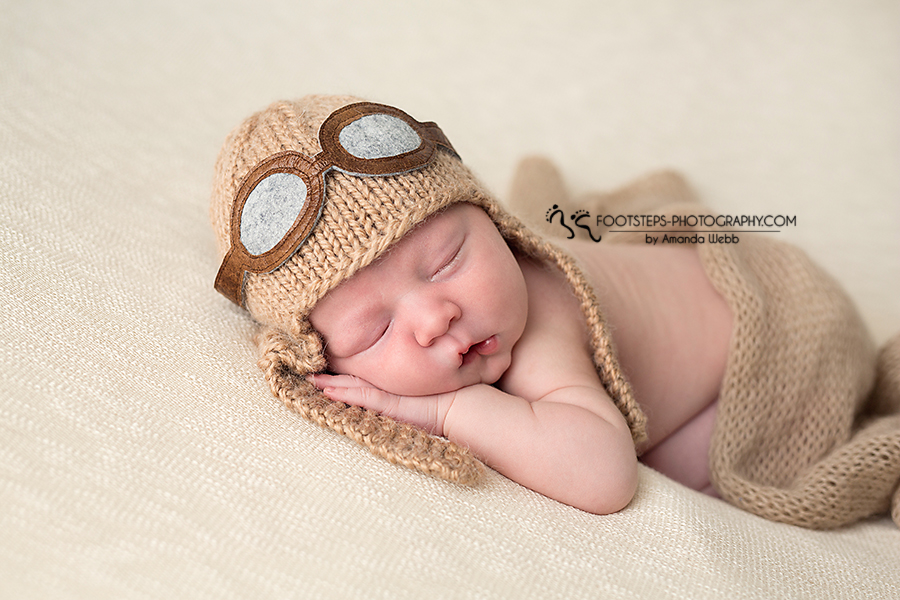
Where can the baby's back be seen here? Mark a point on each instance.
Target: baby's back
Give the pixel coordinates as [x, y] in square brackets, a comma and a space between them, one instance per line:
[671, 330]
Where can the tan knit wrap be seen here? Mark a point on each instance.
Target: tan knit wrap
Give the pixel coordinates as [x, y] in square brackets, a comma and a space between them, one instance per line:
[362, 217]
[807, 427]
[796, 438]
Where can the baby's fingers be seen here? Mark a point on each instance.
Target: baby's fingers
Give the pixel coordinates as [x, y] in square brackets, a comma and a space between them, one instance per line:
[321, 381]
[427, 412]
[358, 392]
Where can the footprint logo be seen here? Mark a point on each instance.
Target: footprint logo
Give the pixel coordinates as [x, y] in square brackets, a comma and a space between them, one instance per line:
[552, 212]
[578, 216]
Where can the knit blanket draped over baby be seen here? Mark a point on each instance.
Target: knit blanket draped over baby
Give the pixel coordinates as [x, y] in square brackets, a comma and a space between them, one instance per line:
[802, 435]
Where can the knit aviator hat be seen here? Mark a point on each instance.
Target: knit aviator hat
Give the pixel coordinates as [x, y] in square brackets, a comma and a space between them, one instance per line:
[306, 194]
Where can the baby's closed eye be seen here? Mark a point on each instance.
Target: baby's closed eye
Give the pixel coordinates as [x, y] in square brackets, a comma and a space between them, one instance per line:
[449, 262]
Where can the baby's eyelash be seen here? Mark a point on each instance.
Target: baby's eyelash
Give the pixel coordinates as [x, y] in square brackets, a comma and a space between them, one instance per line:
[448, 264]
[369, 341]
[378, 336]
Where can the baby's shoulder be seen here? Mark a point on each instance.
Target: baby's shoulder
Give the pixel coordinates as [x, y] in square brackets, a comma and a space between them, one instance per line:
[554, 350]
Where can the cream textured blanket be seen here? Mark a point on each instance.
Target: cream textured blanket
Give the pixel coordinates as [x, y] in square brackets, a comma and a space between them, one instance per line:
[808, 423]
[141, 452]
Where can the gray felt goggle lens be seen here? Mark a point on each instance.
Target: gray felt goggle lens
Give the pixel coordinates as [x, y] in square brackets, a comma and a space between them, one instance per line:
[280, 201]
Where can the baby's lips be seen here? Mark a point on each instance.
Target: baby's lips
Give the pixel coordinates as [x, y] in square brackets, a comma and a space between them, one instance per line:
[482, 348]
[487, 347]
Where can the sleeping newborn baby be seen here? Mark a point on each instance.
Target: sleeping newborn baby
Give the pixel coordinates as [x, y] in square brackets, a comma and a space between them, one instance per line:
[450, 331]
[386, 278]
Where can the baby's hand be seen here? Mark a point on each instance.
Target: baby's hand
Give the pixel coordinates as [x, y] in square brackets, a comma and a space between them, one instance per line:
[428, 412]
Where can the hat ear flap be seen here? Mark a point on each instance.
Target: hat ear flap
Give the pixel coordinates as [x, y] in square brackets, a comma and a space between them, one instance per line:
[286, 360]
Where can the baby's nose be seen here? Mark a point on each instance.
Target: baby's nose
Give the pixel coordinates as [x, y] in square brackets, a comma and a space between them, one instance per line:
[434, 320]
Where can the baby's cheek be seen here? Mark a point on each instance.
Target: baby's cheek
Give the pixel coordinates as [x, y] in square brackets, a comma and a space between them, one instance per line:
[343, 366]
[426, 382]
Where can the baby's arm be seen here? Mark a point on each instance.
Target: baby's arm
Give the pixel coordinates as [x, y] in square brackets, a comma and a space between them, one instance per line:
[572, 445]
[565, 445]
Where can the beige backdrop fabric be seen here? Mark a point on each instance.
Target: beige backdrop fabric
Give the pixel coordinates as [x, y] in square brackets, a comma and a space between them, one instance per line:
[141, 453]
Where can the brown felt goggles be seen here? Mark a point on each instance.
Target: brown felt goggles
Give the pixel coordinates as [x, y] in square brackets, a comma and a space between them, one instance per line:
[280, 201]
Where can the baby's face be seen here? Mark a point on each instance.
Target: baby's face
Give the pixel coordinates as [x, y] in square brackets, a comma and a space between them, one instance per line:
[441, 310]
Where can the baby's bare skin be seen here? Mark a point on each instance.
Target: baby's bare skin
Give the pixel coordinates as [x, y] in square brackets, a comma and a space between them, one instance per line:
[671, 329]
[547, 423]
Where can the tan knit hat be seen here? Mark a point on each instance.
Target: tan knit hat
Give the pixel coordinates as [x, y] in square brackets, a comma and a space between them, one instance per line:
[350, 210]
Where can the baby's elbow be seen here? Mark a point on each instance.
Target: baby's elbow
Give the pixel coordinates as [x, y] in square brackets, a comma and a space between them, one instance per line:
[624, 489]
[613, 493]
